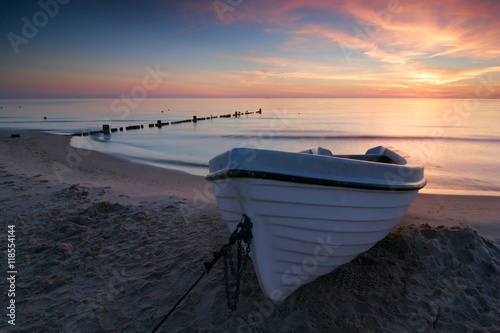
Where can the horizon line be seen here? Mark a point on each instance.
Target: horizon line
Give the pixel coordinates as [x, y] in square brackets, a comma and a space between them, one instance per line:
[240, 97]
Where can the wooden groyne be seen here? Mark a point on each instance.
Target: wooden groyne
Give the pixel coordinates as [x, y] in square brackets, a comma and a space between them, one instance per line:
[107, 130]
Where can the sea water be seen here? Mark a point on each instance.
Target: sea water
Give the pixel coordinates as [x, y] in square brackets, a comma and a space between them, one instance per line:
[458, 140]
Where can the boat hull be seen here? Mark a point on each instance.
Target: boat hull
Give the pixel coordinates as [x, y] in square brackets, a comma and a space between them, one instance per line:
[304, 231]
[312, 211]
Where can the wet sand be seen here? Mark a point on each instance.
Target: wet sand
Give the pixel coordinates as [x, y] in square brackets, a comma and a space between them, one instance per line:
[108, 245]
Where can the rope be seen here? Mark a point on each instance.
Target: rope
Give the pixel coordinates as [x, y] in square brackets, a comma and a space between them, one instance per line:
[243, 232]
[178, 302]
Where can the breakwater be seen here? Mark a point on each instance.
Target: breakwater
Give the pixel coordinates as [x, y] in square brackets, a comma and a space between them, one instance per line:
[107, 129]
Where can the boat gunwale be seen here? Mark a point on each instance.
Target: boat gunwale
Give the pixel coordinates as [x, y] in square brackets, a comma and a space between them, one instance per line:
[239, 173]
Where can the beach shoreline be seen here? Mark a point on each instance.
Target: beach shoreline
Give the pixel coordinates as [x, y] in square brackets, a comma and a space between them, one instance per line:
[51, 155]
[107, 244]
[54, 157]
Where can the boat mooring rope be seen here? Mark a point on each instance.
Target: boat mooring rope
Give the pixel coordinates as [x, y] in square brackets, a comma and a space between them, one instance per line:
[242, 233]
[178, 302]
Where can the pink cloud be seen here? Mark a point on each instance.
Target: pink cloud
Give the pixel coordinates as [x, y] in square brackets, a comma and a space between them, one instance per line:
[387, 28]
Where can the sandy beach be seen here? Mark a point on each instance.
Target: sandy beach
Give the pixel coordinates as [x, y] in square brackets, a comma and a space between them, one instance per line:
[103, 244]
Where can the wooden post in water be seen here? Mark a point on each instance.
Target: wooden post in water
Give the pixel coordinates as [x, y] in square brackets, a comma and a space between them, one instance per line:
[194, 119]
[159, 123]
[105, 129]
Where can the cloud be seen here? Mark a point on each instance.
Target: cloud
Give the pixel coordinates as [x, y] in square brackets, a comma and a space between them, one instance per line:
[276, 13]
[405, 38]
[317, 48]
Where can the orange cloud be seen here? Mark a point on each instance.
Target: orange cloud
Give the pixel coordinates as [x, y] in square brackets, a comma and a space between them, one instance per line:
[405, 39]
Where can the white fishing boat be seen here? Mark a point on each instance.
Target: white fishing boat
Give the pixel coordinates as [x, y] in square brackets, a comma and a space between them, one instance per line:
[312, 211]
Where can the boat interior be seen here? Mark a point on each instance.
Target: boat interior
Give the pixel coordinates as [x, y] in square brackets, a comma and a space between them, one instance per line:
[379, 158]
[370, 158]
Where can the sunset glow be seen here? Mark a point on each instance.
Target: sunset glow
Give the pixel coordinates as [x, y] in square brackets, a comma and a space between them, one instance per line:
[252, 48]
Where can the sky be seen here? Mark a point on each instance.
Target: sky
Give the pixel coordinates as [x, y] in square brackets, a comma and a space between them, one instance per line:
[250, 48]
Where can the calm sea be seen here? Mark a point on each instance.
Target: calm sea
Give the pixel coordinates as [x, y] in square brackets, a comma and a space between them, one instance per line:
[458, 140]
